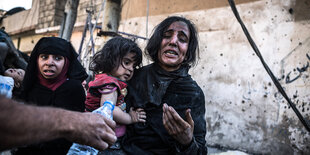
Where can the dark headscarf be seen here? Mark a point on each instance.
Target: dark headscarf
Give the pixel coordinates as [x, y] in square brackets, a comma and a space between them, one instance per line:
[55, 46]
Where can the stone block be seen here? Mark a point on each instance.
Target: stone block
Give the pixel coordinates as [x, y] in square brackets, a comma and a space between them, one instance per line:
[45, 25]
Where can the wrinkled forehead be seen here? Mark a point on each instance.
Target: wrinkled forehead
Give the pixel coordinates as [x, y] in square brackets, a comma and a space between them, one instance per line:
[179, 26]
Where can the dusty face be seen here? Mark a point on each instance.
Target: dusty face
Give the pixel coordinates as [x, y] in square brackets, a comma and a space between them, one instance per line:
[125, 70]
[174, 46]
[50, 66]
[16, 74]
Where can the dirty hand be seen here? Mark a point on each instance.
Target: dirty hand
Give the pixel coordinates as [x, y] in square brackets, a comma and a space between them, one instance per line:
[137, 115]
[91, 129]
[179, 129]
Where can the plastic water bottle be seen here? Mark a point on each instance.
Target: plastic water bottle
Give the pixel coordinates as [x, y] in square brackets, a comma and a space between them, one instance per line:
[78, 149]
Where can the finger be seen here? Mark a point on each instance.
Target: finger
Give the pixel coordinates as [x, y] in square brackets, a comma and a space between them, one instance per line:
[165, 117]
[109, 122]
[178, 120]
[140, 110]
[142, 120]
[108, 138]
[101, 145]
[142, 113]
[165, 106]
[103, 139]
[189, 118]
[168, 123]
[173, 125]
[107, 129]
[142, 116]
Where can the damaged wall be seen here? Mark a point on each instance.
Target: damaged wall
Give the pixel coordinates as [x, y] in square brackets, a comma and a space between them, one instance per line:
[244, 110]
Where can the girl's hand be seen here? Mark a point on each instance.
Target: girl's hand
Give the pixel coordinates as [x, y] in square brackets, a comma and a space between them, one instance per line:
[137, 115]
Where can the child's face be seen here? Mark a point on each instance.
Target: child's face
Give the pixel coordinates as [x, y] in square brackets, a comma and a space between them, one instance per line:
[50, 66]
[16, 74]
[125, 70]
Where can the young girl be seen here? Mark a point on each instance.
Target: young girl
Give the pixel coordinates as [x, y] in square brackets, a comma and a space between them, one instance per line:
[113, 65]
[53, 78]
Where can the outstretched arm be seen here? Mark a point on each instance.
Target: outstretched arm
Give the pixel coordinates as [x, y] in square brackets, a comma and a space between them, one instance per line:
[24, 124]
[134, 116]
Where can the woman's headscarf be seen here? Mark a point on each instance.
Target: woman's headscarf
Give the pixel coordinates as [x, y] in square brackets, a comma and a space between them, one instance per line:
[55, 46]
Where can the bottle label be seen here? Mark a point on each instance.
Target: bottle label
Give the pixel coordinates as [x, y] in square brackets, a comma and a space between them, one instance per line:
[106, 110]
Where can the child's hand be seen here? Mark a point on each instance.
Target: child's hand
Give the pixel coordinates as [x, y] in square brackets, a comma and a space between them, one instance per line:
[137, 115]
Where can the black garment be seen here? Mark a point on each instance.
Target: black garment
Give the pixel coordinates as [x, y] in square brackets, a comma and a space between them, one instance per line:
[9, 55]
[152, 86]
[70, 95]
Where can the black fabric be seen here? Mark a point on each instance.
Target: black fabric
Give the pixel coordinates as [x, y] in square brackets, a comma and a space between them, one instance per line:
[70, 95]
[152, 86]
[13, 58]
[2, 70]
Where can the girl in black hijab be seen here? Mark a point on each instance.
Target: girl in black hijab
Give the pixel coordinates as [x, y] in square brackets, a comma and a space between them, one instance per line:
[53, 78]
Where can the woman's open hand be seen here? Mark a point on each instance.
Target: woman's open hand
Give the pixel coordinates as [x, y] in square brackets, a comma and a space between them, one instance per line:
[178, 128]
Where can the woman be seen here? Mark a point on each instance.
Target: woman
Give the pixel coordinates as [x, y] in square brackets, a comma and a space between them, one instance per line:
[172, 100]
[53, 78]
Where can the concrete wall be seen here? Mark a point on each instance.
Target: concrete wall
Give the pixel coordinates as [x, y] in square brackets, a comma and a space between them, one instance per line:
[244, 109]
[50, 13]
[22, 21]
[22, 25]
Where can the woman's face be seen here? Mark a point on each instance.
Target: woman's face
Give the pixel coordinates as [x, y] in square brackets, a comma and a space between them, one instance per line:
[16, 74]
[50, 66]
[174, 46]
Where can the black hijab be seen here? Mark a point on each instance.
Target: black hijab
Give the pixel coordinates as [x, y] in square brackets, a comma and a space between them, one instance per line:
[55, 46]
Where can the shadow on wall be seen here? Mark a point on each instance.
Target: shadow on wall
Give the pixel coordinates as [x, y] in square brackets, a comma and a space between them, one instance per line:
[300, 10]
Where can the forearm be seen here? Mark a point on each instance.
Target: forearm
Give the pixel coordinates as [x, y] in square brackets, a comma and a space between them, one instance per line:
[24, 124]
[118, 115]
[197, 145]
[121, 117]
[192, 149]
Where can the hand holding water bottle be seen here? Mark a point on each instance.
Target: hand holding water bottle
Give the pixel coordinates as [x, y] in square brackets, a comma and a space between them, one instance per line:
[106, 110]
[87, 127]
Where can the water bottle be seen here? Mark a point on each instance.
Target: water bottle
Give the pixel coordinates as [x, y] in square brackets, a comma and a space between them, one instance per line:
[106, 110]
[78, 149]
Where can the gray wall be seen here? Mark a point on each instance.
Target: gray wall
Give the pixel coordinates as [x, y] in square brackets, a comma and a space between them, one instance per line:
[244, 110]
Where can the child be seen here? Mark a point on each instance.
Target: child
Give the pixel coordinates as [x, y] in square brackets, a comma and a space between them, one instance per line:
[113, 65]
[53, 78]
[10, 83]
[17, 74]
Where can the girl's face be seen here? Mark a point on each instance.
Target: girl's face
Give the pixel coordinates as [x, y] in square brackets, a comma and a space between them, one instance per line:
[50, 66]
[125, 70]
